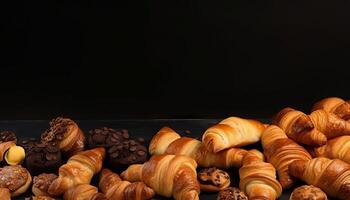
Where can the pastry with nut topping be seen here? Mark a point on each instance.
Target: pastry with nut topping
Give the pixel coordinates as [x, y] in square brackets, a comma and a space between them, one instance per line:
[231, 193]
[15, 178]
[6, 136]
[308, 192]
[42, 183]
[66, 134]
[213, 179]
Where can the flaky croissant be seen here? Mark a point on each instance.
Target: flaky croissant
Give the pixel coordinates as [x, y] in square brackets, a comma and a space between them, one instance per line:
[329, 124]
[167, 141]
[117, 189]
[280, 151]
[299, 127]
[4, 147]
[335, 148]
[232, 132]
[66, 134]
[168, 175]
[334, 105]
[83, 192]
[332, 176]
[258, 178]
[79, 169]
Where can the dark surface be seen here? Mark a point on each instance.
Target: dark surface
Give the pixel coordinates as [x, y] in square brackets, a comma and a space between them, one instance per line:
[170, 59]
[144, 128]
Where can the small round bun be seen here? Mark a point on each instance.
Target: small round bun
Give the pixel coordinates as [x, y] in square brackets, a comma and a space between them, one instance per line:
[308, 192]
[231, 193]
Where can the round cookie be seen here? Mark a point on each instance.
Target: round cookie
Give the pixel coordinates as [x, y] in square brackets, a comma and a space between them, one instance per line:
[213, 179]
[106, 137]
[231, 193]
[308, 192]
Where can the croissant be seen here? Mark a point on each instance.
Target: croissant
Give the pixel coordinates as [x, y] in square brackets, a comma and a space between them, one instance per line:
[299, 127]
[167, 141]
[117, 189]
[168, 175]
[258, 178]
[66, 134]
[5, 194]
[232, 132]
[83, 192]
[280, 151]
[4, 147]
[329, 124]
[79, 169]
[332, 176]
[335, 148]
[334, 105]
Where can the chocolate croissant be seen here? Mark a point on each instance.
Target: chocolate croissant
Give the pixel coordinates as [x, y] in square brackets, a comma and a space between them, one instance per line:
[332, 176]
[66, 134]
[258, 178]
[299, 127]
[115, 188]
[167, 175]
[280, 151]
[232, 132]
[79, 169]
[167, 141]
[334, 105]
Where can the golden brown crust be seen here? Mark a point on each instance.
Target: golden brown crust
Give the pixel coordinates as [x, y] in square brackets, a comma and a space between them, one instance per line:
[16, 178]
[280, 151]
[4, 147]
[160, 141]
[40, 198]
[334, 105]
[258, 178]
[308, 192]
[5, 194]
[79, 169]
[41, 184]
[231, 193]
[335, 148]
[332, 176]
[299, 127]
[83, 192]
[213, 179]
[232, 132]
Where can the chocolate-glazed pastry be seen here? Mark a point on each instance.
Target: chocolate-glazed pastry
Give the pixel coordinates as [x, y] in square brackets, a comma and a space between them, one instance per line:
[106, 137]
[65, 134]
[28, 143]
[43, 158]
[127, 153]
[6, 136]
[231, 193]
[308, 192]
[213, 179]
[42, 183]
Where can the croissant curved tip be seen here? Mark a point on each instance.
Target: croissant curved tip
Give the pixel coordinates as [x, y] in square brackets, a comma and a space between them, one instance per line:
[297, 168]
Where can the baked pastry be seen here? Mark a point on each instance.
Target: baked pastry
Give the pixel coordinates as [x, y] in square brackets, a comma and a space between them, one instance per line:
[299, 127]
[40, 198]
[66, 134]
[334, 105]
[43, 158]
[42, 183]
[280, 151]
[213, 179]
[335, 148]
[308, 192]
[6, 136]
[106, 137]
[329, 124]
[167, 141]
[115, 188]
[231, 193]
[15, 178]
[167, 175]
[232, 132]
[79, 169]
[83, 192]
[5, 194]
[258, 178]
[4, 147]
[15, 155]
[332, 176]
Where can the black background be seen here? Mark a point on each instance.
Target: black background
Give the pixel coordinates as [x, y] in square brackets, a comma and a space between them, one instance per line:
[170, 59]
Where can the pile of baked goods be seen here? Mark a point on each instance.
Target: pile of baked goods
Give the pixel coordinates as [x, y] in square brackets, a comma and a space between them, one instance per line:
[312, 148]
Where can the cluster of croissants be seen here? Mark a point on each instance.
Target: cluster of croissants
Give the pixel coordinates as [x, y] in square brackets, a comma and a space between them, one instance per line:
[312, 148]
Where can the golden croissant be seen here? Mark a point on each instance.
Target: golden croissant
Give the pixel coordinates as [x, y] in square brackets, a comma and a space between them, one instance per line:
[299, 127]
[280, 151]
[334, 105]
[232, 132]
[167, 175]
[332, 176]
[117, 189]
[83, 192]
[258, 178]
[79, 169]
[167, 141]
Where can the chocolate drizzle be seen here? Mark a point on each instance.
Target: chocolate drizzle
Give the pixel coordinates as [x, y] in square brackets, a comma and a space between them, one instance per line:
[6, 136]
[57, 130]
